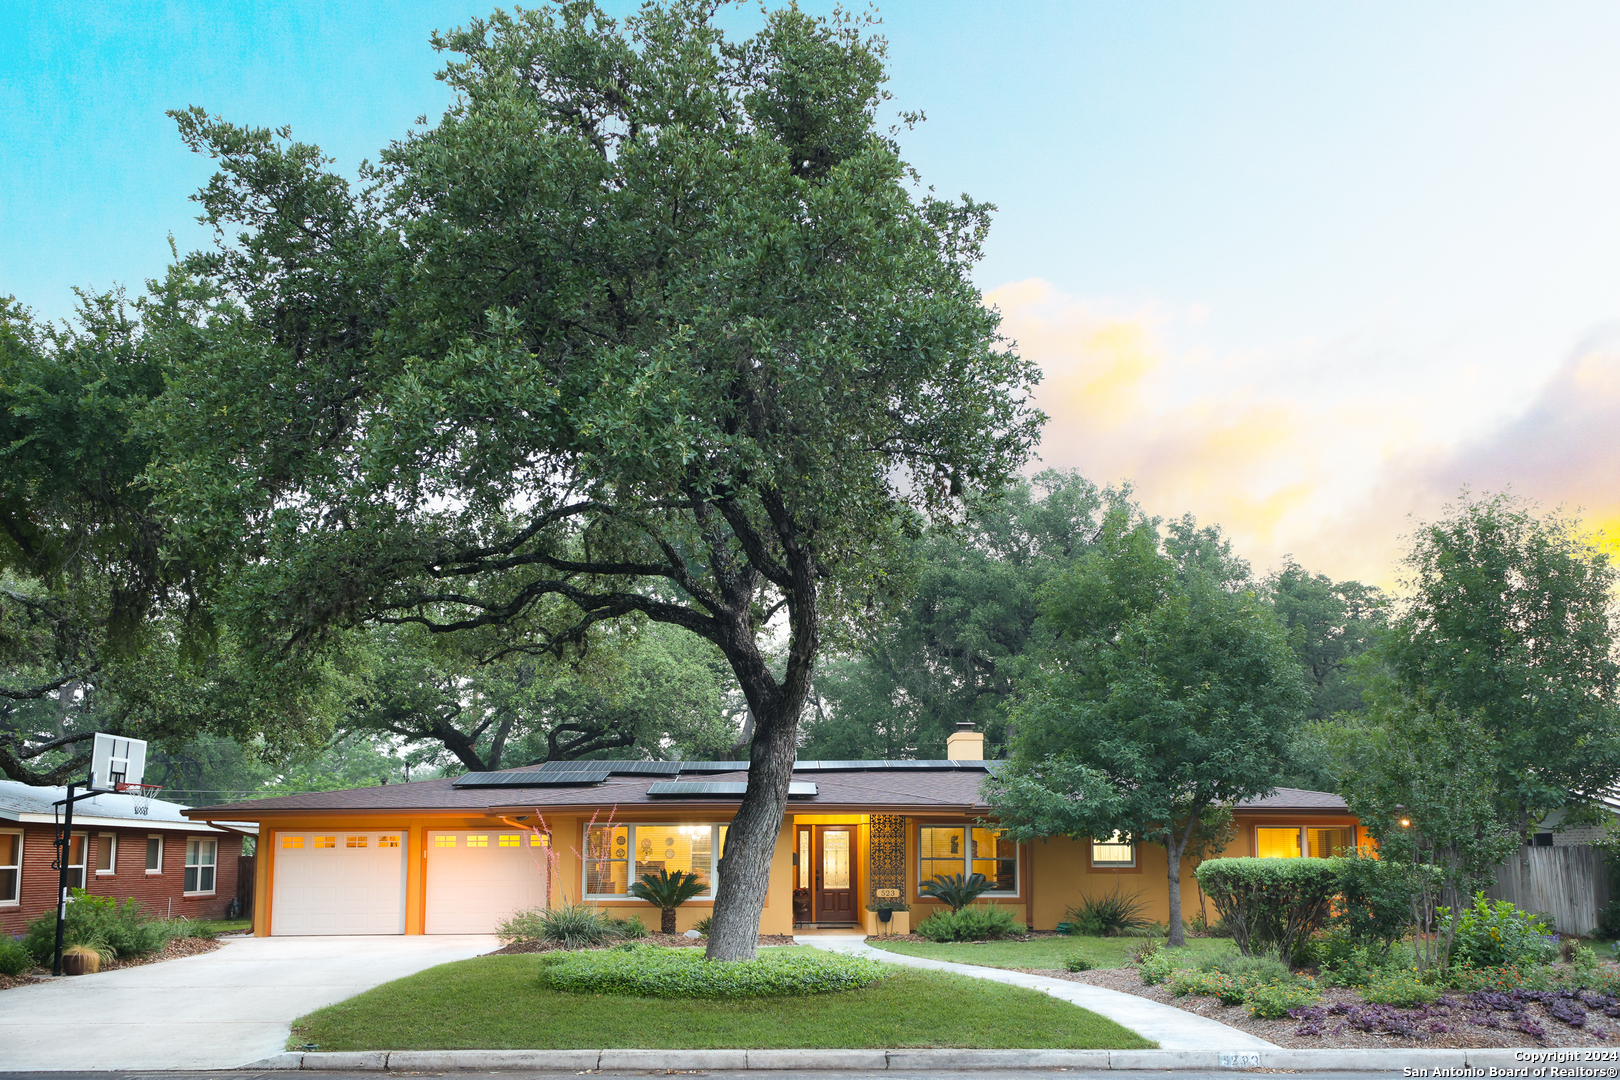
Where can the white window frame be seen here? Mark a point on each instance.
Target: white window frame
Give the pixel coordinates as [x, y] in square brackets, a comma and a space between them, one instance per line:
[80, 868]
[967, 858]
[196, 844]
[111, 842]
[715, 851]
[1119, 839]
[16, 900]
[154, 871]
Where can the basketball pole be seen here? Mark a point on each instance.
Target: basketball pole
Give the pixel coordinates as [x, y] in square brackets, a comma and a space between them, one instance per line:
[64, 846]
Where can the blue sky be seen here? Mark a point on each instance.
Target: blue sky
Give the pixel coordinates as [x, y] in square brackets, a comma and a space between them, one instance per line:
[1304, 270]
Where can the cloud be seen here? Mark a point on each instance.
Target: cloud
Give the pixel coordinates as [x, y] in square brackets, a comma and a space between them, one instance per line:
[1292, 451]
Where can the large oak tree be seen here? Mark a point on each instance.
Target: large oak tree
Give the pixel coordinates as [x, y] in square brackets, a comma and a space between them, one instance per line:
[651, 323]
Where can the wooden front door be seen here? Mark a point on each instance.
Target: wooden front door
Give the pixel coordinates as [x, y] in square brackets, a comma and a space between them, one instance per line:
[834, 869]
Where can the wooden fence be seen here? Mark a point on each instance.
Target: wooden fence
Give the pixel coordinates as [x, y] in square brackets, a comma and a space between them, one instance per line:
[1571, 884]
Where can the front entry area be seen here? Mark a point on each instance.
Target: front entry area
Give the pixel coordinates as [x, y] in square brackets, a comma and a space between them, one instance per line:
[338, 883]
[476, 878]
[832, 883]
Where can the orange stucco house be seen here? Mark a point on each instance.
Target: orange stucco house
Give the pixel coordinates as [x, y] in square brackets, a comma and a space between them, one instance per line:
[457, 855]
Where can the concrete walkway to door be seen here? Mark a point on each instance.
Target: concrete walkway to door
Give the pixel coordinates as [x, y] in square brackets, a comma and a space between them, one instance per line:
[219, 1010]
[1170, 1027]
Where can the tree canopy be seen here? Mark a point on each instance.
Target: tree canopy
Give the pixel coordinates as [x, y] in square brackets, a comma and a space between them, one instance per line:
[650, 323]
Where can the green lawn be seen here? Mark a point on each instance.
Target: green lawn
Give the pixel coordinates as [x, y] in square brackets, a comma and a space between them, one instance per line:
[1045, 952]
[496, 1003]
[204, 927]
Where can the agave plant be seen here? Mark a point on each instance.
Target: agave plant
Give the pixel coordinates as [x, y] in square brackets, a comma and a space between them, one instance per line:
[956, 890]
[669, 891]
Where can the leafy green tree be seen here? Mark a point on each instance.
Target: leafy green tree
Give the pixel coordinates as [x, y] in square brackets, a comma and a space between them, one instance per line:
[651, 324]
[954, 649]
[1510, 624]
[1168, 694]
[1330, 624]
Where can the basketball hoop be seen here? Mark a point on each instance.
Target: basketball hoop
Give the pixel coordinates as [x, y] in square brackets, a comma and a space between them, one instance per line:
[143, 794]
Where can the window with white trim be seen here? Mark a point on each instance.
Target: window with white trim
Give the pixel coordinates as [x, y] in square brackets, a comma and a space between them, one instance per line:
[11, 847]
[107, 853]
[76, 849]
[201, 855]
[619, 854]
[154, 853]
[961, 849]
[1118, 850]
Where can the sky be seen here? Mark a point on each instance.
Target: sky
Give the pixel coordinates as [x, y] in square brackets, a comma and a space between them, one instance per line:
[1306, 271]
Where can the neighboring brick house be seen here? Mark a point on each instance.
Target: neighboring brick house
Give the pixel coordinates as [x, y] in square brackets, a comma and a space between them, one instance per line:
[171, 865]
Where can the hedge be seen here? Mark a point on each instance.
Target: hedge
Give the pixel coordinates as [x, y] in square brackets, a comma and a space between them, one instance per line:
[650, 971]
[1271, 905]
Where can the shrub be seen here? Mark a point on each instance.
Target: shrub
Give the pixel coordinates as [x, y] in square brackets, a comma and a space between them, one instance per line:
[1144, 950]
[1156, 968]
[15, 957]
[1401, 988]
[1270, 905]
[1077, 962]
[1259, 969]
[573, 926]
[704, 924]
[1346, 964]
[646, 971]
[1111, 915]
[956, 890]
[630, 929]
[1492, 934]
[102, 923]
[983, 923]
[1271, 1001]
[1608, 927]
[1375, 899]
[1230, 989]
[667, 891]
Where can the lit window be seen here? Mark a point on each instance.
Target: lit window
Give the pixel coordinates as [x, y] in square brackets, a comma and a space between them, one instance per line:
[292, 841]
[615, 857]
[326, 841]
[201, 856]
[354, 841]
[958, 849]
[1325, 843]
[10, 867]
[1270, 843]
[1117, 850]
[154, 854]
[508, 840]
[444, 840]
[107, 853]
[478, 841]
[388, 841]
[536, 840]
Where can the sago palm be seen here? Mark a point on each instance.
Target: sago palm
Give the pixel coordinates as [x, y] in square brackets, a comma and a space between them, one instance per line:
[956, 890]
[669, 891]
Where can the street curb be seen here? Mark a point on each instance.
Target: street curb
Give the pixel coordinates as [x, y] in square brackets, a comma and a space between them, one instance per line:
[1482, 1060]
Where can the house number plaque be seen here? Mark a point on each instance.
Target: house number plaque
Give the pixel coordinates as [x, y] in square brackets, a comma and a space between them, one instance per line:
[888, 894]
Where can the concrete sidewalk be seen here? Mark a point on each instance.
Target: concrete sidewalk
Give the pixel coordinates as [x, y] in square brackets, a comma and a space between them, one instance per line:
[219, 1010]
[1170, 1027]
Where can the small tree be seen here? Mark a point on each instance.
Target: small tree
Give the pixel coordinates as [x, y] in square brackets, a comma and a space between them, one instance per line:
[668, 891]
[1169, 691]
[1423, 784]
[955, 889]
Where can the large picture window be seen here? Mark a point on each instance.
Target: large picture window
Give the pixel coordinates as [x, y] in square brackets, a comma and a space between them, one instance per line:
[619, 854]
[1274, 842]
[201, 856]
[961, 849]
[10, 867]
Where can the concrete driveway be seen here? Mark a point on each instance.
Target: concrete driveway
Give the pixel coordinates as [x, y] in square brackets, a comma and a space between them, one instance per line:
[216, 1011]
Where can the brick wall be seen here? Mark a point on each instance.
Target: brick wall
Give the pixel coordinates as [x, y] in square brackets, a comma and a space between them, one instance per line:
[160, 894]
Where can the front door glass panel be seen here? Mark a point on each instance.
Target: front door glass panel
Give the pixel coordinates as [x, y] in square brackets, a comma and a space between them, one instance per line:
[835, 860]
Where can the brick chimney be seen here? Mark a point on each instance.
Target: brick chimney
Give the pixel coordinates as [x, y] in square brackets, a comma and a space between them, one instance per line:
[965, 744]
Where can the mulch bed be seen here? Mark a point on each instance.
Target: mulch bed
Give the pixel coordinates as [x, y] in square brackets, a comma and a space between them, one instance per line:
[672, 941]
[174, 950]
[1436, 1027]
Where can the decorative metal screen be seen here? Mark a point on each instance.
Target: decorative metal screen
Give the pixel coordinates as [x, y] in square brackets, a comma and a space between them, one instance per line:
[887, 856]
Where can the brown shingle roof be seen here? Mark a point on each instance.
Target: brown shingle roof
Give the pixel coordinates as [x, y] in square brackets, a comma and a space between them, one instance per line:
[1288, 798]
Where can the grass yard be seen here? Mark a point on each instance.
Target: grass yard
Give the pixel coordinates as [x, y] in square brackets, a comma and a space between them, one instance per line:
[204, 927]
[1044, 952]
[496, 1003]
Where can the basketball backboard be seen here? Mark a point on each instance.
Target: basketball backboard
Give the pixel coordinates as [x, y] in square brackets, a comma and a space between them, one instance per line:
[115, 760]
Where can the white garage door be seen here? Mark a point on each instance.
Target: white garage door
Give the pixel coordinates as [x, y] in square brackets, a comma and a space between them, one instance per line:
[338, 883]
[478, 877]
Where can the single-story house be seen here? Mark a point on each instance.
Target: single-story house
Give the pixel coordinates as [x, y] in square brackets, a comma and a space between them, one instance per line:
[458, 855]
[122, 846]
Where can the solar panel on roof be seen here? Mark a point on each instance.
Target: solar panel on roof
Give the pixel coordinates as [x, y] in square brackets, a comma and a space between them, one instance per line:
[713, 766]
[531, 778]
[798, 789]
